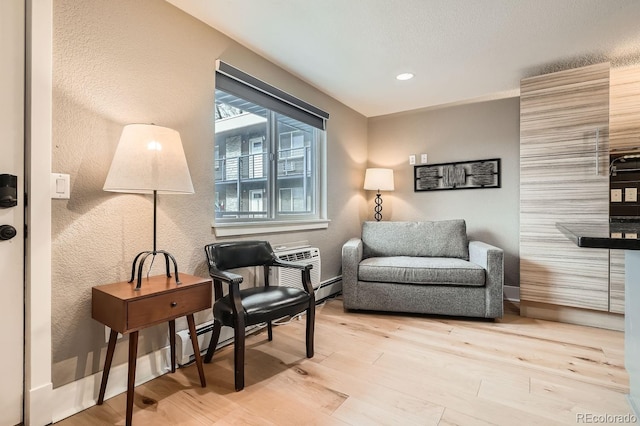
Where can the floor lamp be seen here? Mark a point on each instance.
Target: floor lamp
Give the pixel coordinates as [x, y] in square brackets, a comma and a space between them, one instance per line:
[149, 159]
[378, 180]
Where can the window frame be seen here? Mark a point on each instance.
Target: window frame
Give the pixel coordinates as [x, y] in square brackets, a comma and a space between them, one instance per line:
[280, 222]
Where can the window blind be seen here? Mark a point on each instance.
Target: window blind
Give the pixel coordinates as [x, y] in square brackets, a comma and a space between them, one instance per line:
[232, 80]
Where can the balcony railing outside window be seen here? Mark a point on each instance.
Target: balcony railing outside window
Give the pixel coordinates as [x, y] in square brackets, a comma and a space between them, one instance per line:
[266, 164]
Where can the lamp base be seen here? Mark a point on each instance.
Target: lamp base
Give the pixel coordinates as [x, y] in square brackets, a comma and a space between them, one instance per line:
[142, 256]
[378, 208]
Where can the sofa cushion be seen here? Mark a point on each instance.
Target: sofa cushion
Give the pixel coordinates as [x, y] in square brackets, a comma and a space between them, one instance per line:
[446, 238]
[421, 270]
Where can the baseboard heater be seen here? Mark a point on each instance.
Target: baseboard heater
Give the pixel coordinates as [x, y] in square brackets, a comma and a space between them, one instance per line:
[328, 289]
[184, 349]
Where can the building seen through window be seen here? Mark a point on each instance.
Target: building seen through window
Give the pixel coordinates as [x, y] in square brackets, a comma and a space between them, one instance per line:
[266, 163]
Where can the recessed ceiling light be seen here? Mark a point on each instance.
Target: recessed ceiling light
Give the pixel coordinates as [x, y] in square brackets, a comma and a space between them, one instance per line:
[404, 76]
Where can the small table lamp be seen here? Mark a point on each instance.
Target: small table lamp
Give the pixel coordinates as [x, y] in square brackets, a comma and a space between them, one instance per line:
[378, 180]
[149, 159]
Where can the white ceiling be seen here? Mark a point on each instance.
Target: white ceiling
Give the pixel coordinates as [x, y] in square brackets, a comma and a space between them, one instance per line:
[459, 50]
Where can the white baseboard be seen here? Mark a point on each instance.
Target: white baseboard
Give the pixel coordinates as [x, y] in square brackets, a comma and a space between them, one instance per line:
[82, 394]
[39, 406]
[511, 293]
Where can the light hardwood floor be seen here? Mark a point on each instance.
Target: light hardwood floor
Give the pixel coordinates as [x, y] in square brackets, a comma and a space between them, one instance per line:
[391, 369]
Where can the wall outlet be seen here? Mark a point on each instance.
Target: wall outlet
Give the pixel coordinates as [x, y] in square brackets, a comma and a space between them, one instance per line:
[423, 158]
[630, 195]
[412, 159]
[616, 195]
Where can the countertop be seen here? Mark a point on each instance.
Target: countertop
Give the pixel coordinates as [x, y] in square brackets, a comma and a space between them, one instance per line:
[611, 235]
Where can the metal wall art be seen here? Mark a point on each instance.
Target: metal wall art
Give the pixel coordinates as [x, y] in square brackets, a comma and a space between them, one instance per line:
[459, 175]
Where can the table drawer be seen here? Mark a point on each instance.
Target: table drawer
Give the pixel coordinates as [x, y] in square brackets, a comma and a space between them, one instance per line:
[151, 310]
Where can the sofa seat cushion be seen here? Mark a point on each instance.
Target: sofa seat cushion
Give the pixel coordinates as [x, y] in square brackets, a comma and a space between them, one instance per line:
[421, 270]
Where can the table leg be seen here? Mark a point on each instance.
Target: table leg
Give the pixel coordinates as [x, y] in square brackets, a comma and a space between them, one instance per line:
[113, 336]
[196, 349]
[172, 344]
[133, 353]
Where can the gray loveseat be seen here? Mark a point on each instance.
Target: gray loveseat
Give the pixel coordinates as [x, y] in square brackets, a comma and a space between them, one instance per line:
[422, 267]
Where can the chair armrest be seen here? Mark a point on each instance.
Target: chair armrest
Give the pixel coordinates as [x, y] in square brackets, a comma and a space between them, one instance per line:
[227, 277]
[305, 268]
[352, 252]
[491, 258]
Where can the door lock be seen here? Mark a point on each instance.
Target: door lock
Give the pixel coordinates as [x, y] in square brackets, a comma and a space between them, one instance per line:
[8, 191]
[7, 232]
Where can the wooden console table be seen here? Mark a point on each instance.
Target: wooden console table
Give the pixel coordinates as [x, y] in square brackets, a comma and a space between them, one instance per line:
[127, 311]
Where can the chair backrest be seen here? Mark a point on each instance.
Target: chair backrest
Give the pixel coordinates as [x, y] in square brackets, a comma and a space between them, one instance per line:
[239, 254]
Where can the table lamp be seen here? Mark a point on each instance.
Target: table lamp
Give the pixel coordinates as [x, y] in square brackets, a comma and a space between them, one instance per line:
[149, 159]
[378, 180]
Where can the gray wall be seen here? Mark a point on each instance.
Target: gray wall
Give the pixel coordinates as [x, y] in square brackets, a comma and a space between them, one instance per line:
[118, 62]
[458, 133]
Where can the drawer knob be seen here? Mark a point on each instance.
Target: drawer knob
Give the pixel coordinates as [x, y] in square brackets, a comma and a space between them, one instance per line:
[174, 304]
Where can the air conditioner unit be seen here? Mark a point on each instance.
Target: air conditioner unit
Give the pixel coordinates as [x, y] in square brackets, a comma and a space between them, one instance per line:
[291, 277]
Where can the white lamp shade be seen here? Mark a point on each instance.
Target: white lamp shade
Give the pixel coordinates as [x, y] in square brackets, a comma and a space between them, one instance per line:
[149, 158]
[378, 179]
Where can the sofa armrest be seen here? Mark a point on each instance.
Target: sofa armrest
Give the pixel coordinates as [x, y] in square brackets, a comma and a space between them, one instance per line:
[351, 257]
[491, 258]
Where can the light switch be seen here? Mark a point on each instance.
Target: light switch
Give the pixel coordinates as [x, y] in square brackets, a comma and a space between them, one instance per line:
[423, 158]
[630, 195]
[616, 195]
[60, 186]
[412, 159]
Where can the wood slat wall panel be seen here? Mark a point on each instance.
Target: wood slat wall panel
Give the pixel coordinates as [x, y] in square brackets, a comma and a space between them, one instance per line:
[624, 118]
[577, 77]
[563, 177]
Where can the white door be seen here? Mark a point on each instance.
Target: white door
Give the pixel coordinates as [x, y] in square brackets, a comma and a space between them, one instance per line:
[256, 200]
[12, 15]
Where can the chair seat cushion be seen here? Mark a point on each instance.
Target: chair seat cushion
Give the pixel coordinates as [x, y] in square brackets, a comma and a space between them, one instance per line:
[263, 304]
[421, 270]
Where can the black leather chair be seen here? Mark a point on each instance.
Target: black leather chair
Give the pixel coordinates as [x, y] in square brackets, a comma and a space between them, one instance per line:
[255, 305]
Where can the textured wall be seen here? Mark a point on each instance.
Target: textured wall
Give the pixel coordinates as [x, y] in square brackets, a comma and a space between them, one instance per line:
[457, 133]
[118, 62]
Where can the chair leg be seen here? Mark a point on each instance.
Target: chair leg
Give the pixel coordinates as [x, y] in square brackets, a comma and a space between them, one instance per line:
[238, 346]
[269, 331]
[311, 319]
[215, 335]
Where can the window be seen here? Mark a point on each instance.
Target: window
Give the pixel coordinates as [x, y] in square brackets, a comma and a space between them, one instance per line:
[268, 151]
